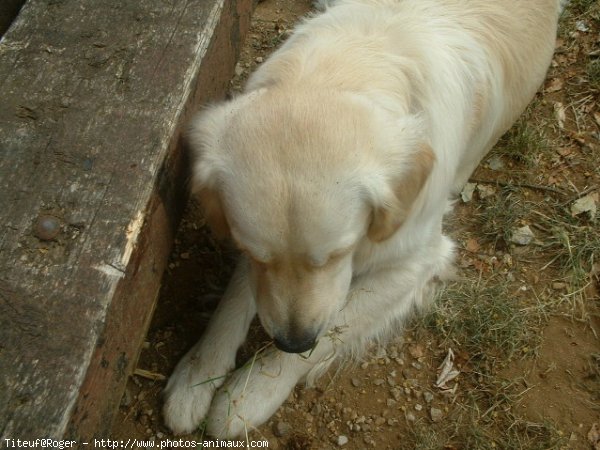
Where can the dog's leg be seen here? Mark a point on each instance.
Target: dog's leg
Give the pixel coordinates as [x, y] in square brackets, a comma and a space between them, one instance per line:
[204, 368]
[376, 303]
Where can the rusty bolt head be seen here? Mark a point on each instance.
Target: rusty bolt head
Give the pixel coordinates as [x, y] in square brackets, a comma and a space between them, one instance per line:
[47, 227]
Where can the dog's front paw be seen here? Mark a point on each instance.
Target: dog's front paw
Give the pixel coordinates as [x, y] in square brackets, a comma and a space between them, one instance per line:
[188, 395]
[252, 395]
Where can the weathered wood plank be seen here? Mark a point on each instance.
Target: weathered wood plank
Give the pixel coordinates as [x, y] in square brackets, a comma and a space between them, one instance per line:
[8, 11]
[93, 96]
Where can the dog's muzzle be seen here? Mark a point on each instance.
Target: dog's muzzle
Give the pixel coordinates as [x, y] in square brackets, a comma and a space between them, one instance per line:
[295, 345]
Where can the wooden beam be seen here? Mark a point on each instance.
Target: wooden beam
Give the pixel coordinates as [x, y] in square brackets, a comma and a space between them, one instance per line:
[94, 95]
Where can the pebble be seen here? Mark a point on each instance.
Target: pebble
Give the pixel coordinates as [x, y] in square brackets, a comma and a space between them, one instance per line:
[356, 382]
[418, 407]
[416, 351]
[342, 440]
[379, 421]
[417, 366]
[378, 381]
[410, 417]
[396, 393]
[185, 255]
[428, 396]
[435, 414]
[238, 69]
[369, 441]
[281, 428]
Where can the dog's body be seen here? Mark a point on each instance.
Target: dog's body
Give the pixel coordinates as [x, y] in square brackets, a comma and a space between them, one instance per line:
[332, 174]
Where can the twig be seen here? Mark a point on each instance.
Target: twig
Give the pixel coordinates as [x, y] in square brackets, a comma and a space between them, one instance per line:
[149, 375]
[580, 194]
[523, 185]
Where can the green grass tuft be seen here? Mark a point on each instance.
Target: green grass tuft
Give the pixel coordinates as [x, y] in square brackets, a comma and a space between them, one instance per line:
[522, 143]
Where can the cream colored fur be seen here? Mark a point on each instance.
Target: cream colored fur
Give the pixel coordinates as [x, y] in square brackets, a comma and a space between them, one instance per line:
[332, 173]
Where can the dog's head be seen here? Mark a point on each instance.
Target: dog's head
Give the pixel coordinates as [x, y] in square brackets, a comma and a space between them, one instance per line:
[298, 181]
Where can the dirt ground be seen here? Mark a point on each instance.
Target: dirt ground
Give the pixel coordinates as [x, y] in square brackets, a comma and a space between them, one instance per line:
[522, 322]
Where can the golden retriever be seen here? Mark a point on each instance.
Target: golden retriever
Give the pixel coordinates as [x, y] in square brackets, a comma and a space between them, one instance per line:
[332, 174]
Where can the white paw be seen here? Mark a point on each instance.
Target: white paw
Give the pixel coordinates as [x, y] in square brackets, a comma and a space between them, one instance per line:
[252, 394]
[189, 393]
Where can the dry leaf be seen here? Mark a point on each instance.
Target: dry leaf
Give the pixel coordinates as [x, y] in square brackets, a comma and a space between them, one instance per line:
[594, 436]
[564, 151]
[587, 203]
[447, 372]
[472, 245]
[597, 117]
[555, 84]
[485, 191]
[560, 114]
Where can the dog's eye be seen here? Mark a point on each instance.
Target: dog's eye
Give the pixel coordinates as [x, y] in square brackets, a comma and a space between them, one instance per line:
[329, 259]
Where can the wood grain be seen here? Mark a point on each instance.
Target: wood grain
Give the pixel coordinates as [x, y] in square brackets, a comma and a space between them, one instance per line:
[94, 95]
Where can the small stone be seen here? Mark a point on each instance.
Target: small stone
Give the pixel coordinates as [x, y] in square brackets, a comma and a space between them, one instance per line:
[410, 417]
[415, 350]
[259, 59]
[435, 414]
[418, 407]
[369, 441]
[356, 382]
[390, 402]
[364, 365]
[428, 396]
[522, 236]
[467, 192]
[184, 255]
[396, 393]
[281, 428]
[379, 421]
[378, 381]
[416, 365]
[239, 70]
[341, 440]
[381, 353]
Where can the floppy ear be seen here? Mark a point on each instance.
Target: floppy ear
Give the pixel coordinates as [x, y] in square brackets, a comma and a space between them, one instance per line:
[207, 138]
[389, 216]
[213, 212]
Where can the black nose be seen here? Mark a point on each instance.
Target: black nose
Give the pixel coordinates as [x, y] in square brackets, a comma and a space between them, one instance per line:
[295, 345]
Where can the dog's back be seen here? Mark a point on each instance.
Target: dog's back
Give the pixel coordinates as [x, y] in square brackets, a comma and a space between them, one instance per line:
[469, 67]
